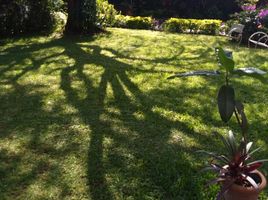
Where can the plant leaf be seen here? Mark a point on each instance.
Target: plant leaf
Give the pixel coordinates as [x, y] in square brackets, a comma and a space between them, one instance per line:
[258, 161]
[213, 167]
[244, 124]
[196, 73]
[226, 102]
[254, 151]
[226, 144]
[251, 72]
[210, 168]
[251, 167]
[232, 143]
[225, 61]
[251, 181]
[214, 181]
[221, 158]
[239, 106]
[248, 146]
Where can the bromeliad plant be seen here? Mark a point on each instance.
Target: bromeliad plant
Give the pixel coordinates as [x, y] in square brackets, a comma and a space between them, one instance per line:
[235, 166]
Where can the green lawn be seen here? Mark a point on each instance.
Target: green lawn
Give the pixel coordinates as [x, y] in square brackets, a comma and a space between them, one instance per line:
[96, 118]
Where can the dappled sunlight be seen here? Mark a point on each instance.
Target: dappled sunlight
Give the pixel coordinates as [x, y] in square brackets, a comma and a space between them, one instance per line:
[96, 118]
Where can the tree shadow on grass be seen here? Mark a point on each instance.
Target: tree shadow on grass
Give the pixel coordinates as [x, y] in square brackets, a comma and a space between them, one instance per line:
[152, 132]
[140, 161]
[24, 154]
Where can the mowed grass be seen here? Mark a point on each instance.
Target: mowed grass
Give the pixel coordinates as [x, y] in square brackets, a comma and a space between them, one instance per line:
[96, 118]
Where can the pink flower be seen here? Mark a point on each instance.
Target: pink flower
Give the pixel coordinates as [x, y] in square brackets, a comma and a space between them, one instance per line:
[263, 13]
[248, 7]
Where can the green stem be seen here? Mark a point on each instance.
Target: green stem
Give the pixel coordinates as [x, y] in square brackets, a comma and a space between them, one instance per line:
[241, 126]
[227, 78]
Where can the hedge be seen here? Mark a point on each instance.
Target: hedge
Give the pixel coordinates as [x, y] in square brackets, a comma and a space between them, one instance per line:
[130, 22]
[173, 25]
[27, 16]
[204, 26]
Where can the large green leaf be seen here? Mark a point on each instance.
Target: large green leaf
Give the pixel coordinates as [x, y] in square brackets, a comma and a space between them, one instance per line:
[196, 73]
[226, 102]
[225, 61]
[251, 72]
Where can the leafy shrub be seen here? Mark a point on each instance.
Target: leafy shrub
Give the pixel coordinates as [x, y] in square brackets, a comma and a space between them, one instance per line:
[133, 22]
[175, 25]
[12, 17]
[192, 25]
[106, 13]
[25, 16]
[210, 27]
[120, 21]
[60, 22]
[139, 22]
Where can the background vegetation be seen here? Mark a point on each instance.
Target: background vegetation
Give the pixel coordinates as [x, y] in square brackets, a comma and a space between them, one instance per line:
[200, 9]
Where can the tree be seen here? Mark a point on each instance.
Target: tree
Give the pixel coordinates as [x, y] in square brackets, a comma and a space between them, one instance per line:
[27, 16]
[179, 8]
[81, 17]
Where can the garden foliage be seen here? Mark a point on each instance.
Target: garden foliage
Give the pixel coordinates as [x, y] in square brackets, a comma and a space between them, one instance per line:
[134, 22]
[27, 16]
[205, 26]
[254, 16]
[106, 13]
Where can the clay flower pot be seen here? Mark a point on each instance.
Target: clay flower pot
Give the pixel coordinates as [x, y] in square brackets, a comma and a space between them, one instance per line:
[237, 192]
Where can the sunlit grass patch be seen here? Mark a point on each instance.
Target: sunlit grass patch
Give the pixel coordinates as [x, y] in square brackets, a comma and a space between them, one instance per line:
[96, 118]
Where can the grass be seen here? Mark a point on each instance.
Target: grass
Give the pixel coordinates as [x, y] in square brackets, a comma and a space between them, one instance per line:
[96, 118]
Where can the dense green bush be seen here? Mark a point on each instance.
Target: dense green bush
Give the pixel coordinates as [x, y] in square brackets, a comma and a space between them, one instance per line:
[27, 16]
[133, 22]
[106, 13]
[210, 27]
[175, 25]
[11, 17]
[205, 26]
[139, 22]
[120, 21]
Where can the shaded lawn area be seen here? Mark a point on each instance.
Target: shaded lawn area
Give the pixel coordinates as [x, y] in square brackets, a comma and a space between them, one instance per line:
[96, 118]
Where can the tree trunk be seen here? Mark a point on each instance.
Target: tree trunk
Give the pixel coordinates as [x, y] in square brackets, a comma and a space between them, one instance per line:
[81, 16]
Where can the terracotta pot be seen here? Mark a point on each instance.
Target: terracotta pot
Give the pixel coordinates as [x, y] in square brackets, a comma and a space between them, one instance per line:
[237, 192]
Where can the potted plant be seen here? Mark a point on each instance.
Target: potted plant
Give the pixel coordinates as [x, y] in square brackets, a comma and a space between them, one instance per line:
[237, 173]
